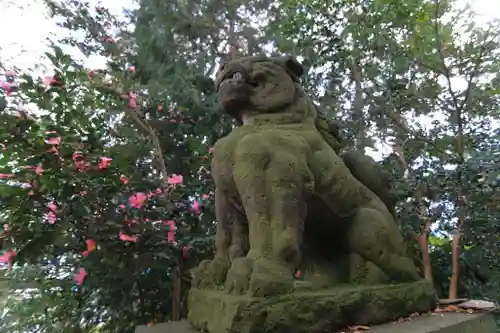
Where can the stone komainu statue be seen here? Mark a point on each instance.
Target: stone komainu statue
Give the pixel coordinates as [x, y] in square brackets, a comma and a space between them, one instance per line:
[286, 202]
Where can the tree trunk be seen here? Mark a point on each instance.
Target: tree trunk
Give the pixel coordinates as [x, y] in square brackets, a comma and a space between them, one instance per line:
[358, 106]
[423, 237]
[176, 293]
[423, 241]
[455, 253]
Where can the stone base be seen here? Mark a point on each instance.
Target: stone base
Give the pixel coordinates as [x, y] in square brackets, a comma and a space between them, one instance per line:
[308, 312]
[428, 323]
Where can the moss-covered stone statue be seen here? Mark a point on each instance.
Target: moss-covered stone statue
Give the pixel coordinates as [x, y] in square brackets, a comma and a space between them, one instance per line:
[307, 239]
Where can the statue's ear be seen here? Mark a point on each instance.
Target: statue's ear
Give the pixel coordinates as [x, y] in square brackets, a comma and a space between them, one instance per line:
[293, 67]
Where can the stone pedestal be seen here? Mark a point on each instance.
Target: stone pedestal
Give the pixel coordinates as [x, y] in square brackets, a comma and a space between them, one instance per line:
[427, 323]
[308, 311]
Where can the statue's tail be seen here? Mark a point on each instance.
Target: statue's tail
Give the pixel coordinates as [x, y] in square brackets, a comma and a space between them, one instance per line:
[372, 175]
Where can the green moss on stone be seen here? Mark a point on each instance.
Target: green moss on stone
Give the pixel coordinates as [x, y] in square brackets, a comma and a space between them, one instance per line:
[309, 312]
[286, 201]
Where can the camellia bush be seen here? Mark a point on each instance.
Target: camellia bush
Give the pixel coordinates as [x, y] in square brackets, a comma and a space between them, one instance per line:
[97, 234]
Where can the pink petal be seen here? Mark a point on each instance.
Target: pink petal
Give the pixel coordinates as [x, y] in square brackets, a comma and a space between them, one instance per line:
[104, 162]
[6, 175]
[80, 277]
[124, 179]
[38, 170]
[54, 141]
[195, 207]
[52, 207]
[51, 217]
[185, 251]
[48, 80]
[171, 237]
[127, 238]
[175, 179]
[7, 257]
[136, 200]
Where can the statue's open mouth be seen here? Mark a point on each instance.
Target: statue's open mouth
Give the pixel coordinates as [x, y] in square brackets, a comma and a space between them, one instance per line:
[234, 79]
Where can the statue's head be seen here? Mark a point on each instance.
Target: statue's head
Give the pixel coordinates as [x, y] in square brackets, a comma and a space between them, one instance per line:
[258, 84]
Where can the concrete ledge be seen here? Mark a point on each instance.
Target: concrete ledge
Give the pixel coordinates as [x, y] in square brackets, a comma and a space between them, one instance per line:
[442, 323]
[172, 327]
[430, 323]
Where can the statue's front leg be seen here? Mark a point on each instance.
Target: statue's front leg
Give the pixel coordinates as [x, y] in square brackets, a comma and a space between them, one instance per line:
[270, 183]
[231, 241]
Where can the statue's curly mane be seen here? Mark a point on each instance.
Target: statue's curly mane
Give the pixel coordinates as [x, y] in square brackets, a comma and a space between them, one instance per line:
[364, 168]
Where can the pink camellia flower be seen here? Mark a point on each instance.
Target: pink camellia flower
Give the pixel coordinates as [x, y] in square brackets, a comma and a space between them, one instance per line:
[124, 179]
[80, 277]
[185, 251]
[51, 217]
[195, 207]
[297, 274]
[171, 232]
[52, 207]
[10, 73]
[7, 257]
[127, 238]
[80, 162]
[122, 206]
[160, 107]
[175, 179]
[131, 68]
[205, 196]
[76, 155]
[211, 150]
[48, 81]
[91, 246]
[136, 200]
[4, 147]
[31, 193]
[132, 102]
[107, 39]
[7, 87]
[6, 175]
[38, 170]
[54, 141]
[104, 162]
[158, 191]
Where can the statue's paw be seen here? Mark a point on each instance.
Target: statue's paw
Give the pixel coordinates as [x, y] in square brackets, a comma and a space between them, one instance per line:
[269, 278]
[211, 273]
[199, 273]
[238, 276]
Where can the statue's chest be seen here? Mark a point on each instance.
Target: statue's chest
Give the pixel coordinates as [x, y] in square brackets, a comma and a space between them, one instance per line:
[224, 159]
